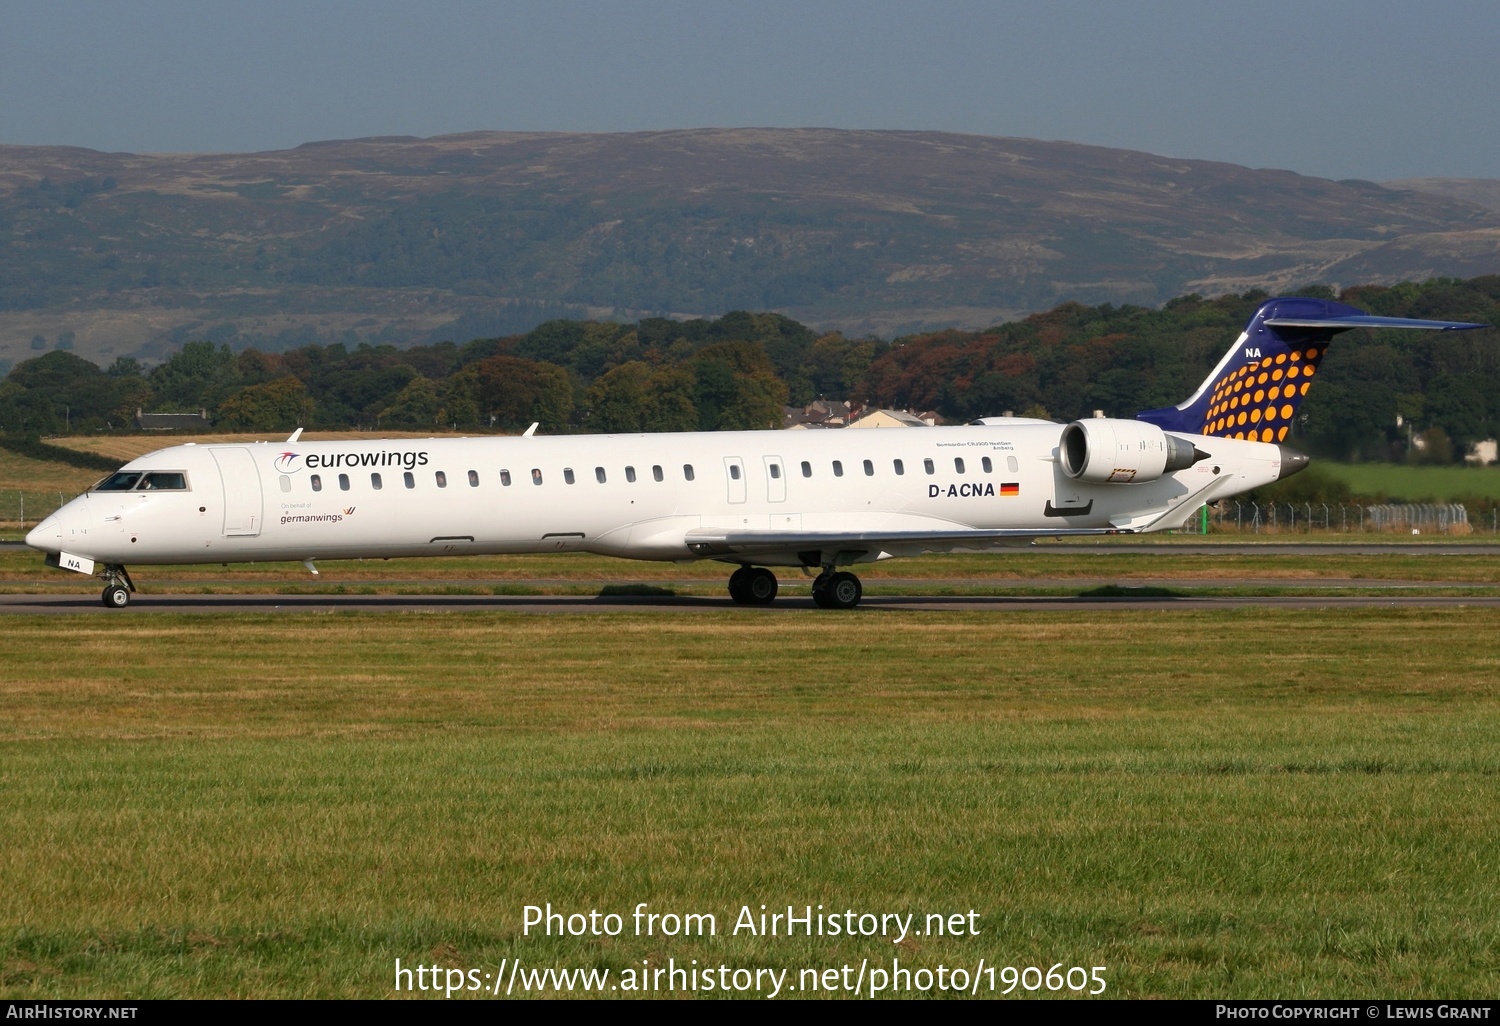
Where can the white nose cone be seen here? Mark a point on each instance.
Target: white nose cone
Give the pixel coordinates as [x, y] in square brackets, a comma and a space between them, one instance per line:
[46, 536]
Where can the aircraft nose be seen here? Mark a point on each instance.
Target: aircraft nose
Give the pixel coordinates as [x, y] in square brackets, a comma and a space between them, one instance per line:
[46, 536]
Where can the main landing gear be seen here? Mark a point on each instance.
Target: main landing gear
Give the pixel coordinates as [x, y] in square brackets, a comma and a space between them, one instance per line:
[117, 586]
[756, 586]
[752, 586]
[837, 589]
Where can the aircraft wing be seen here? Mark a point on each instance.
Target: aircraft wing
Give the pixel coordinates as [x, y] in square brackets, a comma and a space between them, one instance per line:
[712, 542]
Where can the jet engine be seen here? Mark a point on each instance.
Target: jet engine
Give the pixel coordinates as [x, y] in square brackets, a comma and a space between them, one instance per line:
[1104, 450]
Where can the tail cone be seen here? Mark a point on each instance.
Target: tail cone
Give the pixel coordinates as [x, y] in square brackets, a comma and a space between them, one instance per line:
[1292, 461]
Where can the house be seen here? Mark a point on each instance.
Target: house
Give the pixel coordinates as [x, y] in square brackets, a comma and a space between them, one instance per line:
[171, 421]
[821, 414]
[889, 418]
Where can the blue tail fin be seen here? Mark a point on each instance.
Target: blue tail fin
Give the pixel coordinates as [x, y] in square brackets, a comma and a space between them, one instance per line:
[1257, 387]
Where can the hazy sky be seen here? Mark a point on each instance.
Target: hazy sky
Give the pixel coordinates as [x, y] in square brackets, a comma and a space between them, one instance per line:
[1373, 89]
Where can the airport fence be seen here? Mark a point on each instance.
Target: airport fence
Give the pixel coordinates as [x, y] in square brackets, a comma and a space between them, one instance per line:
[1231, 517]
[28, 508]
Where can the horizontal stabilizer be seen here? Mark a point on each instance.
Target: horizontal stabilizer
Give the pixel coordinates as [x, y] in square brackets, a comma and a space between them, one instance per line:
[1367, 321]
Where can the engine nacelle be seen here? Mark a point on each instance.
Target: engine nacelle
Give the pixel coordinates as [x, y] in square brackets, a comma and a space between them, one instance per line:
[1103, 450]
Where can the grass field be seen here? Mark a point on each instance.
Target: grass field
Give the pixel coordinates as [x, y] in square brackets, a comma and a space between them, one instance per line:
[1240, 803]
[1416, 484]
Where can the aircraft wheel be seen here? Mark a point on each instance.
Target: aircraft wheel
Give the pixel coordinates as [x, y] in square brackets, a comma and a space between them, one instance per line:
[760, 586]
[116, 596]
[737, 585]
[820, 591]
[843, 591]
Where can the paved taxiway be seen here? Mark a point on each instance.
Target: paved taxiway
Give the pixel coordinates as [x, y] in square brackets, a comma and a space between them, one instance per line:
[303, 604]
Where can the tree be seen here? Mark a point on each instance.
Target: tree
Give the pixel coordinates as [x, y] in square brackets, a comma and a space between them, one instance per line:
[61, 389]
[200, 374]
[669, 401]
[616, 402]
[517, 392]
[416, 406]
[278, 405]
[757, 403]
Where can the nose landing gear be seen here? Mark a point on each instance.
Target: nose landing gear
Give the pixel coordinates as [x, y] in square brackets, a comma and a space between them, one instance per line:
[117, 586]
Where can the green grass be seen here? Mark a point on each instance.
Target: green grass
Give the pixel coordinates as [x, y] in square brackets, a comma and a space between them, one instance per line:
[1416, 484]
[1245, 803]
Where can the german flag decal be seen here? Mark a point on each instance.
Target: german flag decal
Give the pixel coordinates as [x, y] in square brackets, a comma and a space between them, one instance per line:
[1010, 488]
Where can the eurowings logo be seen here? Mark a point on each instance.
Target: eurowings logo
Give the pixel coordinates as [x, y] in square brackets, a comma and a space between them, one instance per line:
[289, 462]
[349, 512]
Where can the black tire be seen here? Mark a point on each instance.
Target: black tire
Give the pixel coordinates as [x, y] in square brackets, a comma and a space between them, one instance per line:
[820, 591]
[843, 591]
[760, 586]
[737, 586]
[116, 596]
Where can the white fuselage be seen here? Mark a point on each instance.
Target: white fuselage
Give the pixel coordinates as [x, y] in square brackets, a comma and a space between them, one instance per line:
[623, 495]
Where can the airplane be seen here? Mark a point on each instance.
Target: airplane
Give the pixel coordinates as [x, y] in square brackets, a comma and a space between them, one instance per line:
[817, 500]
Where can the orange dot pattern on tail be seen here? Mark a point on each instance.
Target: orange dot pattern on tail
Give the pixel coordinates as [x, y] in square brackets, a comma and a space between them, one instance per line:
[1258, 400]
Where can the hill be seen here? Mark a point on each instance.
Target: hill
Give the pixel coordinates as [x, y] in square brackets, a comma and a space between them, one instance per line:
[416, 240]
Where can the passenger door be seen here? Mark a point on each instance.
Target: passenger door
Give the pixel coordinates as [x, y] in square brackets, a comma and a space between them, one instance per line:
[242, 496]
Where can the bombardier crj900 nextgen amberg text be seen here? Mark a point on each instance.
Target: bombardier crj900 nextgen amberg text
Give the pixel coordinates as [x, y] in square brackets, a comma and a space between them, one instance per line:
[820, 500]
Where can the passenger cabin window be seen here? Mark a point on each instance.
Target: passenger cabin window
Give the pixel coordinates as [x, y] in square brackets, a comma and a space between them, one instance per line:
[568, 475]
[734, 471]
[687, 471]
[599, 474]
[165, 481]
[776, 471]
[442, 479]
[657, 475]
[375, 481]
[806, 469]
[121, 482]
[927, 466]
[343, 482]
[989, 468]
[317, 482]
[505, 478]
[838, 468]
[630, 474]
[900, 467]
[408, 479]
[536, 476]
[869, 469]
[286, 483]
[1010, 461]
[473, 479]
[958, 464]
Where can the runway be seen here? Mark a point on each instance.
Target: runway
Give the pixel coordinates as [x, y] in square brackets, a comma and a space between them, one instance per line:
[293, 605]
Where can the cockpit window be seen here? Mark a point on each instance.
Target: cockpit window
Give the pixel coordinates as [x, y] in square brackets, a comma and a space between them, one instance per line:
[165, 480]
[119, 482]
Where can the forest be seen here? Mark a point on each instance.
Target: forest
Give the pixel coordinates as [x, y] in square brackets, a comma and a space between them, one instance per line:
[1377, 394]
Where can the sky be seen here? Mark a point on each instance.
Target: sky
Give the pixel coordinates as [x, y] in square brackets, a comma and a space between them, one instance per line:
[1373, 89]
